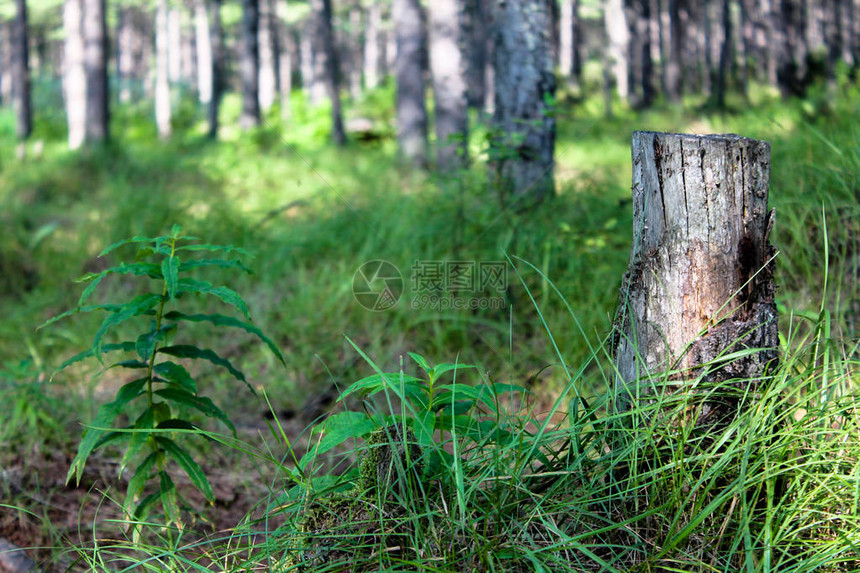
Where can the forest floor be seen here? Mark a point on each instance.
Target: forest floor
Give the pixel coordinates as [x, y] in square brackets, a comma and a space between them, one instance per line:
[312, 215]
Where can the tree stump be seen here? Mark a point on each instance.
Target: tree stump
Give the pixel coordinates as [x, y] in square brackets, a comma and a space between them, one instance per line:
[699, 284]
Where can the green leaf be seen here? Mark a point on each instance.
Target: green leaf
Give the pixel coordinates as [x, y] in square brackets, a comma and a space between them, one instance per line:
[225, 248]
[188, 351]
[144, 423]
[200, 403]
[137, 239]
[126, 346]
[177, 424]
[177, 374]
[227, 295]
[104, 419]
[110, 438]
[422, 362]
[137, 306]
[138, 269]
[170, 271]
[169, 499]
[130, 364]
[107, 307]
[146, 342]
[377, 382]
[222, 320]
[187, 463]
[440, 369]
[138, 482]
[222, 263]
[341, 427]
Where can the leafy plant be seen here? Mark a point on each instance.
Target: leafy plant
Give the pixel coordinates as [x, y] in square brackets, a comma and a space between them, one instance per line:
[429, 407]
[157, 399]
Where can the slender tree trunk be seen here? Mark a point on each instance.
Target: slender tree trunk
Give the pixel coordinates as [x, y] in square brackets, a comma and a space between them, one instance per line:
[216, 38]
[327, 64]
[725, 55]
[641, 67]
[619, 37]
[21, 72]
[95, 60]
[76, 73]
[162, 70]
[699, 285]
[373, 47]
[285, 58]
[189, 51]
[674, 83]
[249, 65]
[268, 49]
[411, 107]
[5, 63]
[174, 45]
[355, 49]
[449, 85]
[204, 52]
[570, 40]
[125, 52]
[525, 87]
[476, 36]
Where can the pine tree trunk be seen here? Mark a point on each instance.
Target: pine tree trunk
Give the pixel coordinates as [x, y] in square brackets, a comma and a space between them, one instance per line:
[355, 50]
[216, 39]
[174, 45]
[268, 87]
[411, 107]
[162, 70]
[475, 52]
[674, 83]
[449, 86]
[325, 56]
[249, 65]
[373, 48]
[204, 52]
[21, 72]
[618, 37]
[95, 60]
[699, 283]
[285, 58]
[76, 74]
[522, 166]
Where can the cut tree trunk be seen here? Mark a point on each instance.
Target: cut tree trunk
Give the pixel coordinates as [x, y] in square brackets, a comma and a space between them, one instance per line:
[699, 285]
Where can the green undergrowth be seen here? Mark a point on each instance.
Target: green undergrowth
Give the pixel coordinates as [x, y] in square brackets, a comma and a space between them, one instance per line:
[776, 490]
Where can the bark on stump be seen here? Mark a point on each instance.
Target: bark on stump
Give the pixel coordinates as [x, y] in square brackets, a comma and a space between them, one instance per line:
[699, 284]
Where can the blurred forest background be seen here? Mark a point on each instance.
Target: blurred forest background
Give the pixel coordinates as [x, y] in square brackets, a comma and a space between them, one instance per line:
[323, 134]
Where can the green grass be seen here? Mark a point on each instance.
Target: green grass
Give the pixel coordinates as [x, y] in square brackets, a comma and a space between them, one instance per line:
[313, 214]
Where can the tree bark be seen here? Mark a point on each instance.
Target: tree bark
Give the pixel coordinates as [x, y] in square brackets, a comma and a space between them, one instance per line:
[522, 152]
[373, 47]
[409, 63]
[162, 70]
[570, 41]
[21, 72]
[699, 283]
[174, 45]
[355, 49]
[216, 38]
[268, 87]
[449, 85]
[204, 52]
[674, 83]
[725, 56]
[249, 65]
[618, 37]
[325, 56]
[95, 60]
[285, 58]
[76, 73]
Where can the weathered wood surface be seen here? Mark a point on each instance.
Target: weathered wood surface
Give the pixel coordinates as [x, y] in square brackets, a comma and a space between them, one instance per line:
[699, 283]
